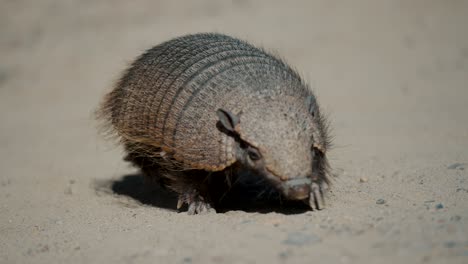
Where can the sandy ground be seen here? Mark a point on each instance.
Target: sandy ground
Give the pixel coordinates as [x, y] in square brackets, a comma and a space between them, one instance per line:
[393, 77]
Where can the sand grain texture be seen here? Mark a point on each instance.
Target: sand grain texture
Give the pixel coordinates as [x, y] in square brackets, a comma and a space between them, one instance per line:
[393, 76]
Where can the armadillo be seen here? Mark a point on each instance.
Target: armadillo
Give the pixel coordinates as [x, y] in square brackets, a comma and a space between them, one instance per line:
[209, 106]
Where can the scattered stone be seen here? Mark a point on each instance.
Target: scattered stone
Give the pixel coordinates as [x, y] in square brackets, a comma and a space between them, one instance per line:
[455, 218]
[68, 191]
[284, 255]
[429, 201]
[3, 76]
[301, 239]
[6, 182]
[450, 244]
[42, 248]
[378, 245]
[30, 252]
[187, 260]
[363, 179]
[460, 166]
[274, 222]
[380, 201]
[247, 221]
[360, 232]
[426, 258]
[439, 206]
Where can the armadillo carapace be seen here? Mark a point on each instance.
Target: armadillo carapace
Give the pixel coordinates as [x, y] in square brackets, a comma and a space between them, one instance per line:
[207, 106]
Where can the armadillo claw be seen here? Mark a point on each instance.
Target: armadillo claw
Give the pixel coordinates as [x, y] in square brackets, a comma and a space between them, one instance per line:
[199, 207]
[180, 202]
[196, 204]
[316, 197]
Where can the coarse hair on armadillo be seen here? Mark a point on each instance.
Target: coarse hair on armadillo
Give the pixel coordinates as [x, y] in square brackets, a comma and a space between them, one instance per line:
[164, 105]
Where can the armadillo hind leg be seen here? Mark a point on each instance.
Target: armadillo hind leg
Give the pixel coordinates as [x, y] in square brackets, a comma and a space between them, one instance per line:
[196, 203]
[193, 189]
[187, 185]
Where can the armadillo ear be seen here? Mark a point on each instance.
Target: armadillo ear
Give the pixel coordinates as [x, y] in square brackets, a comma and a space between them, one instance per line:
[227, 119]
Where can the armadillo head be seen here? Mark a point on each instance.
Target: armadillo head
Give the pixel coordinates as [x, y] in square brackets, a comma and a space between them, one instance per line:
[283, 140]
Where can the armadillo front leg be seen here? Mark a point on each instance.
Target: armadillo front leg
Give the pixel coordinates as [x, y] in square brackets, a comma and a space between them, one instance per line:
[196, 203]
[316, 197]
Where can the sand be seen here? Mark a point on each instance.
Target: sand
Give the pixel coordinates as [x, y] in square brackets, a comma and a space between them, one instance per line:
[392, 76]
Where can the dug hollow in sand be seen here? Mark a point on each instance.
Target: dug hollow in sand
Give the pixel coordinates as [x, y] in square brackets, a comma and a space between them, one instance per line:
[198, 111]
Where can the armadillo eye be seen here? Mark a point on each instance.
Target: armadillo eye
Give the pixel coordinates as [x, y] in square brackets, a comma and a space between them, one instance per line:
[253, 154]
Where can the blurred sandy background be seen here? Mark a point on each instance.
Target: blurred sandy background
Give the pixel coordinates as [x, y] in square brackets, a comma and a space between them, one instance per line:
[392, 75]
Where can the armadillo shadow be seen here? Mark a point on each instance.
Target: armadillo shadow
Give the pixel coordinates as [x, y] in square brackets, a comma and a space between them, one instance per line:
[243, 198]
[136, 188]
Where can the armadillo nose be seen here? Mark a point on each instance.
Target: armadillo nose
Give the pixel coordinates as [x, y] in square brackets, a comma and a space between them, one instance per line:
[297, 189]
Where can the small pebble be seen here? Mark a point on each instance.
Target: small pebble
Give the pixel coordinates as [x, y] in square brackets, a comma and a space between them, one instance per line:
[450, 244]
[43, 248]
[5, 183]
[456, 166]
[301, 239]
[3, 76]
[426, 258]
[363, 179]
[274, 222]
[380, 201]
[455, 218]
[68, 191]
[439, 206]
[284, 254]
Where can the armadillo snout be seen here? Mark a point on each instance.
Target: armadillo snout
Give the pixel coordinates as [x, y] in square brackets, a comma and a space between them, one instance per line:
[296, 189]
